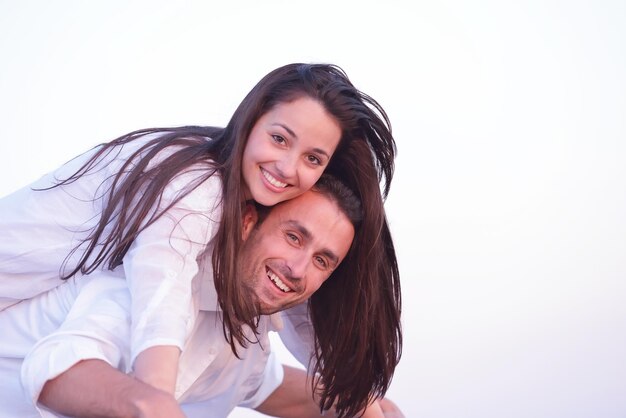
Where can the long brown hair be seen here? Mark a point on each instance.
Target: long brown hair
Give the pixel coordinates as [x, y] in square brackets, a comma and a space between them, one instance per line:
[363, 121]
[361, 118]
[356, 312]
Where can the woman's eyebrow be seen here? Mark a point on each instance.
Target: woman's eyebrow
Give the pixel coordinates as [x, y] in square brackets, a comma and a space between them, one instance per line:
[287, 128]
[293, 134]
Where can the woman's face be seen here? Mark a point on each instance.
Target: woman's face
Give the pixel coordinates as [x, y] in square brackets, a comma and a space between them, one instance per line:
[287, 150]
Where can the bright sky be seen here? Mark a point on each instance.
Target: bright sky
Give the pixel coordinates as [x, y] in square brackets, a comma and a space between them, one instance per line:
[509, 197]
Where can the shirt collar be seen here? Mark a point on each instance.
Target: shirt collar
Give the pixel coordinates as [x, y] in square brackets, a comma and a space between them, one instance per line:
[208, 295]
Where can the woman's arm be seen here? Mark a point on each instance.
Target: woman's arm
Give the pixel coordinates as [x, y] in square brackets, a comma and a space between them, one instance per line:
[79, 368]
[158, 367]
[162, 262]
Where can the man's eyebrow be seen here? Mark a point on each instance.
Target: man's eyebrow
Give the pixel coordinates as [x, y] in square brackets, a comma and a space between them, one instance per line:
[307, 235]
[300, 228]
[293, 134]
[331, 256]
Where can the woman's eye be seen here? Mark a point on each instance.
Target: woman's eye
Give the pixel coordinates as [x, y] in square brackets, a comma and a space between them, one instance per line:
[278, 139]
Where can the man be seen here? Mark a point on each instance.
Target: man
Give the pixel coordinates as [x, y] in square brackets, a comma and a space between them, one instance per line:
[64, 342]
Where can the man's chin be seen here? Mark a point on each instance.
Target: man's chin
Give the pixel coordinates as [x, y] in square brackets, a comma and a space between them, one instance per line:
[267, 310]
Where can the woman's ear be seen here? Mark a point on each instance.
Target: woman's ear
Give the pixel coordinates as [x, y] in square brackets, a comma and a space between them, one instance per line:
[250, 218]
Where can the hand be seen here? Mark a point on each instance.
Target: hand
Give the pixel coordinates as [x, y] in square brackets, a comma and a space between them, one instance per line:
[390, 409]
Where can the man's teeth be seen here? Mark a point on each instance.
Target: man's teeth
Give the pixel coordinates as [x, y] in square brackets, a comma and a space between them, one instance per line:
[273, 181]
[279, 283]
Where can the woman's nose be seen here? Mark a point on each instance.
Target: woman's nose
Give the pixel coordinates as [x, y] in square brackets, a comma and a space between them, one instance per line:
[287, 167]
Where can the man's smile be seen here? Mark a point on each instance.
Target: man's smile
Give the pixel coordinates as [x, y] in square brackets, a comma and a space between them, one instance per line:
[277, 281]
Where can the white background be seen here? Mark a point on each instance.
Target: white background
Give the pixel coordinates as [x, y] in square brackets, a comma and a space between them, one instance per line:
[509, 201]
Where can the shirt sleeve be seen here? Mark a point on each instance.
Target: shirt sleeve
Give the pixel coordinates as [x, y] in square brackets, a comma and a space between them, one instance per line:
[297, 333]
[96, 327]
[272, 377]
[162, 261]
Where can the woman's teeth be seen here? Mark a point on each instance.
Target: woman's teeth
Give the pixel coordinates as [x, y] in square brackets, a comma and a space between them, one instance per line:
[273, 181]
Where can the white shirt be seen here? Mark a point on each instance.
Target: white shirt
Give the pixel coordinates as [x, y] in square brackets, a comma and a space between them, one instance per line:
[88, 318]
[38, 229]
[297, 333]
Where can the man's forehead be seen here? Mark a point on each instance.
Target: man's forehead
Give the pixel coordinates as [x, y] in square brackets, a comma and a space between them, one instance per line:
[302, 207]
[318, 220]
[314, 211]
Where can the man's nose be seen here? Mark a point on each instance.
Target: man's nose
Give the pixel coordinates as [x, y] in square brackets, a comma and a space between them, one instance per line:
[298, 267]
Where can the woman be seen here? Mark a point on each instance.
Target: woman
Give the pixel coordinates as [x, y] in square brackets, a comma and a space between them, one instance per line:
[158, 200]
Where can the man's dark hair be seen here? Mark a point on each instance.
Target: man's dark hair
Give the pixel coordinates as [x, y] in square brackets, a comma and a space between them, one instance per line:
[333, 189]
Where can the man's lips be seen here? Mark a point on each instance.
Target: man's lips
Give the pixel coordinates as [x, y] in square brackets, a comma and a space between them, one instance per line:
[277, 281]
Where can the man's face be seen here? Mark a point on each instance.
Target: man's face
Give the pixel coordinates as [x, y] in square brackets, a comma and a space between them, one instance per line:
[294, 250]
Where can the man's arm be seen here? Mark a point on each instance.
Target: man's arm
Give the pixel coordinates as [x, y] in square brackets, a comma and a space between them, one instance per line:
[71, 370]
[93, 388]
[293, 399]
[390, 409]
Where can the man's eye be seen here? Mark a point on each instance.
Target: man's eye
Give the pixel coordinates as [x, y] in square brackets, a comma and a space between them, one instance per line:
[292, 237]
[314, 160]
[321, 262]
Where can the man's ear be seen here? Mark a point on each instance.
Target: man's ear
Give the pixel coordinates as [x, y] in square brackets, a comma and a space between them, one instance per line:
[250, 218]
